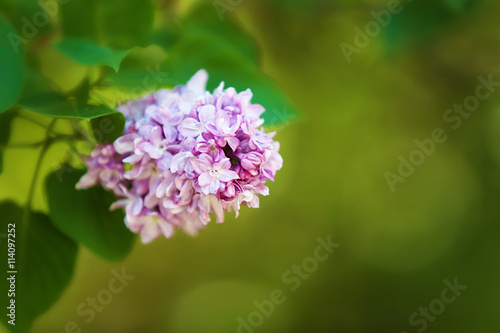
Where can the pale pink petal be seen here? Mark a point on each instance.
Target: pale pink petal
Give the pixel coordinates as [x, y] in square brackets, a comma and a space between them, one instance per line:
[164, 162]
[88, 180]
[149, 230]
[170, 133]
[125, 144]
[119, 204]
[223, 164]
[227, 175]
[197, 84]
[161, 189]
[166, 228]
[201, 165]
[156, 135]
[132, 159]
[217, 208]
[233, 142]
[137, 206]
[206, 113]
[214, 186]
[190, 127]
[205, 179]
[179, 161]
[186, 102]
[153, 151]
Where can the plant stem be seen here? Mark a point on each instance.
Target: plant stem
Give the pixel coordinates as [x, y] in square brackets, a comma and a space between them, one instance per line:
[81, 132]
[73, 150]
[32, 120]
[27, 208]
[21, 145]
[49, 140]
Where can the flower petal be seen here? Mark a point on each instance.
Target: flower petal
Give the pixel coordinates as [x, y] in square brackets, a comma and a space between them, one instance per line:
[197, 84]
[227, 175]
[202, 164]
[223, 164]
[190, 127]
[156, 135]
[149, 230]
[214, 186]
[179, 161]
[166, 228]
[125, 144]
[186, 102]
[205, 179]
[233, 142]
[170, 133]
[153, 151]
[206, 113]
[164, 162]
[88, 180]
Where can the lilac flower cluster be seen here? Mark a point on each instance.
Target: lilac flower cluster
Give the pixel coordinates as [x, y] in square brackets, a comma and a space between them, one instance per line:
[184, 154]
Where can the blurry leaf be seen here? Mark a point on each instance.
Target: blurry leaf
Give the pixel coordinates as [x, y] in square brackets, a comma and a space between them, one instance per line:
[420, 21]
[408, 27]
[84, 215]
[300, 6]
[140, 71]
[126, 24]
[5, 123]
[11, 65]
[109, 127]
[128, 78]
[205, 19]
[90, 54]
[115, 23]
[82, 92]
[21, 12]
[35, 82]
[225, 63]
[140, 80]
[459, 5]
[79, 19]
[278, 117]
[53, 105]
[165, 37]
[44, 261]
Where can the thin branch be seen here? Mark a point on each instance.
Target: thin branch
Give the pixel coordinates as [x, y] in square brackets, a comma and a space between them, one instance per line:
[34, 145]
[27, 208]
[32, 120]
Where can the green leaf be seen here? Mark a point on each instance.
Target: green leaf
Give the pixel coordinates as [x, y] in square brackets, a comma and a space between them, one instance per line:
[302, 7]
[225, 63]
[165, 36]
[204, 18]
[133, 79]
[139, 73]
[115, 23]
[11, 65]
[84, 215]
[126, 24]
[408, 27]
[79, 19]
[82, 92]
[5, 123]
[90, 54]
[109, 127]
[20, 13]
[459, 5]
[44, 262]
[53, 105]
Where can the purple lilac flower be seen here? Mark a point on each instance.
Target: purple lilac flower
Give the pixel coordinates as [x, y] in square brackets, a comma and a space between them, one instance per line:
[186, 153]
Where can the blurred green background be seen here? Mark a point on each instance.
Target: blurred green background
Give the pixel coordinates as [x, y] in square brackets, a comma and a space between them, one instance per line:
[355, 120]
